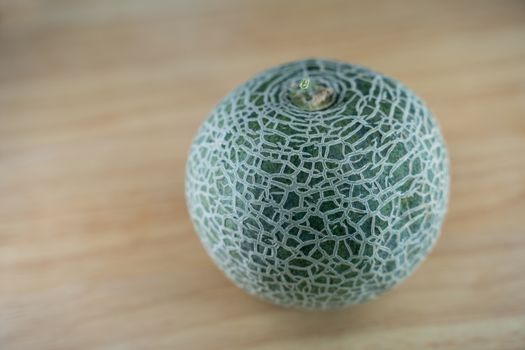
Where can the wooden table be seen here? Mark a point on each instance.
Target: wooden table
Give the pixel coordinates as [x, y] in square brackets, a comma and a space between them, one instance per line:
[99, 101]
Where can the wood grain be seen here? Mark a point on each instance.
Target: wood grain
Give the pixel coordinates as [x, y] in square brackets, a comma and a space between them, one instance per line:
[98, 104]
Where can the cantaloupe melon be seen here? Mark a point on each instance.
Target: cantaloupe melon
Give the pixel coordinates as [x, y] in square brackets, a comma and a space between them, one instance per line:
[318, 184]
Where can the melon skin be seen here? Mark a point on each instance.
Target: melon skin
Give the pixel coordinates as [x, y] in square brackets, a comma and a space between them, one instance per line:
[318, 209]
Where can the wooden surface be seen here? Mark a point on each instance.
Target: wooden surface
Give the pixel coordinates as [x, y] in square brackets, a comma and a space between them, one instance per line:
[98, 104]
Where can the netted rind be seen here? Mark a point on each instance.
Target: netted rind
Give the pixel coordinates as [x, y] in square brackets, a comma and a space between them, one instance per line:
[318, 209]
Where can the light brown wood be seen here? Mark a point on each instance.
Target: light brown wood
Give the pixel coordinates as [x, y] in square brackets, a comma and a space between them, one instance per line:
[99, 101]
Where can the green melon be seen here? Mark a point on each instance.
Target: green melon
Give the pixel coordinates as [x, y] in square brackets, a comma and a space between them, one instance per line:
[318, 184]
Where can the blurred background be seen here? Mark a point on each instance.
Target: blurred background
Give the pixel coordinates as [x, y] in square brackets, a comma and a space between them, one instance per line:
[99, 101]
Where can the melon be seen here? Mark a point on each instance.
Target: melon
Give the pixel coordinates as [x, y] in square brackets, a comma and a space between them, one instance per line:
[318, 184]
